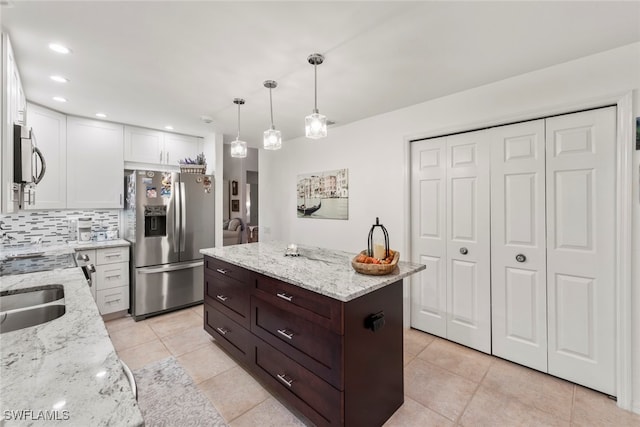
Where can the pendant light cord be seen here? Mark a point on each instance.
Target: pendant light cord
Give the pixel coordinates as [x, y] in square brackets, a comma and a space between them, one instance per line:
[315, 88]
[271, 108]
[238, 137]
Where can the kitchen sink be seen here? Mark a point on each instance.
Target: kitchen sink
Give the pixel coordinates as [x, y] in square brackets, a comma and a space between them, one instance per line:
[30, 307]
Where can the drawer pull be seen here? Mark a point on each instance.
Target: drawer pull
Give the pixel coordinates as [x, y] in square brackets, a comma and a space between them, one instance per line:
[223, 331]
[285, 296]
[112, 256]
[222, 297]
[221, 270]
[113, 301]
[114, 276]
[284, 379]
[285, 333]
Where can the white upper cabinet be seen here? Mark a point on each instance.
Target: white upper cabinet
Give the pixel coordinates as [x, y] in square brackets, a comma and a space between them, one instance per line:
[152, 148]
[95, 153]
[50, 129]
[14, 106]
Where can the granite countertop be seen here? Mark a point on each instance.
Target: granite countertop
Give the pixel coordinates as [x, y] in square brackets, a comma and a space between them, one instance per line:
[60, 248]
[66, 368]
[327, 272]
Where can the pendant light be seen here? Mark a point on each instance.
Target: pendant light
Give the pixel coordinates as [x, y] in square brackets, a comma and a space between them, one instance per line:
[238, 148]
[315, 123]
[272, 137]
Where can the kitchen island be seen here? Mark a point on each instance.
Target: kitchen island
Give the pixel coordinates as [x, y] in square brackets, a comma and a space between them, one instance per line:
[65, 371]
[326, 339]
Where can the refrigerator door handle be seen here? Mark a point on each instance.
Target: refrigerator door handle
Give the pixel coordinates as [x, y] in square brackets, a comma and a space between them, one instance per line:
[151, 270]
[177, 222]
[183, 216]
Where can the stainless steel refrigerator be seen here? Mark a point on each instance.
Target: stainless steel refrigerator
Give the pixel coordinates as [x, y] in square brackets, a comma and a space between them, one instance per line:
[168, 218]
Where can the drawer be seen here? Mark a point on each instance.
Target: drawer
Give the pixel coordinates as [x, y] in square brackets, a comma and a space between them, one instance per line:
[228, 295]
[231, 336]
[224, 269]
[112, 300]
[294, 379]
[112, 255]
[313, 346]
[306, 304]
[112, 276]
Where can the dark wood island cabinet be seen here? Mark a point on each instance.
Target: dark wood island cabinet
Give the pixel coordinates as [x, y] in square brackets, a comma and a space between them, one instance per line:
[336, 362]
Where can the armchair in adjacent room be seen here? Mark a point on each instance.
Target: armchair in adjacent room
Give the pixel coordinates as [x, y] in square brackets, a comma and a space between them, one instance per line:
[232, 231]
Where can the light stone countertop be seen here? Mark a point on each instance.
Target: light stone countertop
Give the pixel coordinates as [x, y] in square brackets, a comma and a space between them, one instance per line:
[68, 364]
[61, 248]
[324, 271]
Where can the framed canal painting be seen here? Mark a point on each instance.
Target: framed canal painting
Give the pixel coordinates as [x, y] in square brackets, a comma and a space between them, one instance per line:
[323, 195]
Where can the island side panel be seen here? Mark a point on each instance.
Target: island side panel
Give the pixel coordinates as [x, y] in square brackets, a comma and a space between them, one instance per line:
[374, 382]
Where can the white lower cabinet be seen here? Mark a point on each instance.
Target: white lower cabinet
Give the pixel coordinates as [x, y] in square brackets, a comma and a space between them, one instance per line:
[549, 300]
[110, 282]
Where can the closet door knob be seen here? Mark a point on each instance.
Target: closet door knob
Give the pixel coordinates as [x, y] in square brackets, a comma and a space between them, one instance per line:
[521, 258]
[464, 251]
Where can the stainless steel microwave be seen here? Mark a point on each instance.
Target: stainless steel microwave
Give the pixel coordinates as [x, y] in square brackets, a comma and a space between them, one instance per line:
[26, 157]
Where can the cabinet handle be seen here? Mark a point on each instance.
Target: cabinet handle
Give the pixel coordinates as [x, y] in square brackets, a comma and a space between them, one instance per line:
[222, 297]
[464, 251]
[284, 379]
[113, 301]
[285, 333]
[167, 156]
[521, 258]
[221, 271]
[285, 296]
[160, 156]
[112, 256]
[114, 276]
[223, 331]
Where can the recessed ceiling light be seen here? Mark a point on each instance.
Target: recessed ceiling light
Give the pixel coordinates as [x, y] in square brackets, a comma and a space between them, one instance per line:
[101, 115]
[59, 79]
[59, 99]
[168, 127]
[59, 48]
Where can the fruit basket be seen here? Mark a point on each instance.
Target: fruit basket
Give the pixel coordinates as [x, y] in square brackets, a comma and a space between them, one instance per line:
[373, 269]
[187, 168]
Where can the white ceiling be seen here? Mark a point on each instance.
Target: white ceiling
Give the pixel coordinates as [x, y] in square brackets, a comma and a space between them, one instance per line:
[155, 63]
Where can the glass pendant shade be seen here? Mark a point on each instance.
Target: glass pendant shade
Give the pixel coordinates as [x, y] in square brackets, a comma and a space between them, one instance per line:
[238, 149]
[272, 139]
[315, 125]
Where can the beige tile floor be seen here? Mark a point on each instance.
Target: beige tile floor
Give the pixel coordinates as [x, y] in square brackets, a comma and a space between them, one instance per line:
[445, 384]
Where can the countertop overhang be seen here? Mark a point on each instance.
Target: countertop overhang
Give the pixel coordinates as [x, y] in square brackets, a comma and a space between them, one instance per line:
[324, 271]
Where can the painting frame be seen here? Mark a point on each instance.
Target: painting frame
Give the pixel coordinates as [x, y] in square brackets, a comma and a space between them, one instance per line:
[323, 195]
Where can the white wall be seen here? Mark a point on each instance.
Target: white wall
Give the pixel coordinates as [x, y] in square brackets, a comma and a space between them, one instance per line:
[375, 152]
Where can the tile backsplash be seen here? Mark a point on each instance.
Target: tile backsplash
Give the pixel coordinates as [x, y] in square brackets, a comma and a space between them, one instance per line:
[53, 226]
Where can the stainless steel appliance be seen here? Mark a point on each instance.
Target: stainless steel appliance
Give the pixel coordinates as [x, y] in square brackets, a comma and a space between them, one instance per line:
[26, 156]
[168, 219]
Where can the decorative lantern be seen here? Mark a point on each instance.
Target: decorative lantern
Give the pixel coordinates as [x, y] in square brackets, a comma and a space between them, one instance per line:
[378, 244]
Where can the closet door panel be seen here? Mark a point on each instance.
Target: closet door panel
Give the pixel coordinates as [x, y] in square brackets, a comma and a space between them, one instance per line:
[581, 247]
[468, 241]
[518, 257]
[428, 242]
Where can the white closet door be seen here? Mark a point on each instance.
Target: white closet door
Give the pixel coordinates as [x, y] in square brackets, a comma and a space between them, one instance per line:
[468, 240]
[428, 240]
[580, 245]
[518, 256]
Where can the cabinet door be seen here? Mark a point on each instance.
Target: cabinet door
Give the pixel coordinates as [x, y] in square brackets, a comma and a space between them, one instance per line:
[50, 129]
[429, 242]
[468, 241]
[581, 247]
[95, 164]
[518, 248]
[177, 147]
[143, 145]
